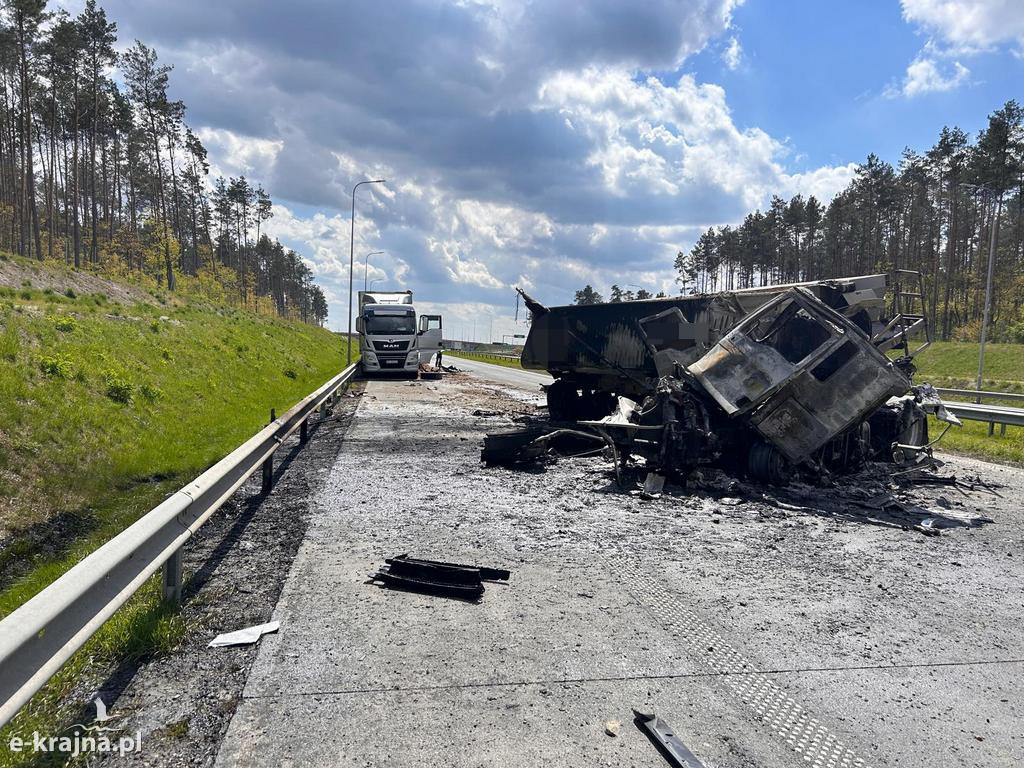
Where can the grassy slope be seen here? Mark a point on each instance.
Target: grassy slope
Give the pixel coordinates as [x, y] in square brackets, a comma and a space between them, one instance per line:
[197, 383]
[104, 409]
[955, 365]
[485, 358]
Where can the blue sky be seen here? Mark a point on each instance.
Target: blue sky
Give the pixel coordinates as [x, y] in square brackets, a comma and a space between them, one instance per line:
[817, 74]
[555, 143]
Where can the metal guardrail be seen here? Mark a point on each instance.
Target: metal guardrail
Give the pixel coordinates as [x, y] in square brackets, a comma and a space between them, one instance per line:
[981, 395]
[38, 637]
[993, 414]
[978, 411]
[473, 353]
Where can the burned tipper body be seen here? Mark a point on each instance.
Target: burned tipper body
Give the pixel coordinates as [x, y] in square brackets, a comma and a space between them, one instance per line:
[761, 382]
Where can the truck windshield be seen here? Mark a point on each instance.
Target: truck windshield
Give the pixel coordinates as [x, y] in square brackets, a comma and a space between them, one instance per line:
[397, 325]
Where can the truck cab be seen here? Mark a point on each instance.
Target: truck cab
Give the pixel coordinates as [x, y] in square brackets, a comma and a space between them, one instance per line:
[388, 338]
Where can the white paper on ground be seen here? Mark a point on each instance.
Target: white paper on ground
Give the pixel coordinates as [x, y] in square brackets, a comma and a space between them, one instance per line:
[246, 636]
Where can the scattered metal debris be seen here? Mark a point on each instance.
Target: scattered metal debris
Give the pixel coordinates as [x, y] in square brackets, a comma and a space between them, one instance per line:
[880, 502]
[513, 446]
[246, 636]
[664, 738]
[921, 477]
[535, 443]
[653, 485]
[436, 577]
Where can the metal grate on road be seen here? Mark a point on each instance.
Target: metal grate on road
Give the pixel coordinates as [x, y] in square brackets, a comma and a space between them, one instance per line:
[771, 705]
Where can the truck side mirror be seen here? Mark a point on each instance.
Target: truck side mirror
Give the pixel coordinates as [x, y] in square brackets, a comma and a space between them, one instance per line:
[359, 325]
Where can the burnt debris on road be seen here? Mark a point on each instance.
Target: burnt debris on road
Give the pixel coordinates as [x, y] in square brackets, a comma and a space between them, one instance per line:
[465, 582]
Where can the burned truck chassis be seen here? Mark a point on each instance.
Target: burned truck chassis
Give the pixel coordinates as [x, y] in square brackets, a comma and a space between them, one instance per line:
[680, 430]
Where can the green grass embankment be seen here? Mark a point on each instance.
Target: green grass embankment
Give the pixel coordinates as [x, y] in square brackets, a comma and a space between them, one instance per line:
[486, 357]
[106, 408]
[954, 365]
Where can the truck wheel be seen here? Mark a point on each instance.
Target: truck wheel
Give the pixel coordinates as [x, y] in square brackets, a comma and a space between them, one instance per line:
[765, 463]
[916, 432]
[563, 401]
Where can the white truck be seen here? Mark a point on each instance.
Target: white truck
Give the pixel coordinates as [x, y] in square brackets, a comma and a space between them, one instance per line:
[390, 338]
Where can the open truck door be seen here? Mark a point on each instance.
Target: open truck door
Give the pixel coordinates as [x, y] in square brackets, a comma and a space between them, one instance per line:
[430, 340]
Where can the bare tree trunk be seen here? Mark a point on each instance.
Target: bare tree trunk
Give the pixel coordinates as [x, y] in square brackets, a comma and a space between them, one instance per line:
[94, 244]
[73, 178]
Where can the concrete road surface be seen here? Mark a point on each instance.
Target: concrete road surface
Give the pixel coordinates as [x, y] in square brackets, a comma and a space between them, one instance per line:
[530, 381]
[767, 632]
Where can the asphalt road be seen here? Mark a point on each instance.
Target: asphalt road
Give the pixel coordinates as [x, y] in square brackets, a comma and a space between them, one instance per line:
[519, 378]
[769, 629]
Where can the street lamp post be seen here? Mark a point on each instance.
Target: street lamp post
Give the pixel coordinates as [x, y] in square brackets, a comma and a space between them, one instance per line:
[638, 287]
[987, 316]
[351, 257]
[366, 266]
[988, 292]
[375, 280]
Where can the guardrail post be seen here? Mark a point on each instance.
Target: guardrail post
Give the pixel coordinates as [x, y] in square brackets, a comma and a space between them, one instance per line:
[991, 428]
[267, 484]
[172, 577]
[268, 475]
[304, 432]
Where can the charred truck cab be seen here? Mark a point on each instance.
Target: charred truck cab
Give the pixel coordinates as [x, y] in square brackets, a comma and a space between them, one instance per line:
[794, 382]
[387, 333]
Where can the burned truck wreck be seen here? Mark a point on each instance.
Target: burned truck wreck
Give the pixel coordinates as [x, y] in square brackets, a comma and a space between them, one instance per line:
[761, 383]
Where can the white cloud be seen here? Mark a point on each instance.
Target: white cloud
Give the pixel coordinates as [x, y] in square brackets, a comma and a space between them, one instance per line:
[969, 25]
[824, 183]
[733, 54]
[956, 29]
[233, 154]
[678, 145]
[502, 226]
[927, 75]
[523, 144]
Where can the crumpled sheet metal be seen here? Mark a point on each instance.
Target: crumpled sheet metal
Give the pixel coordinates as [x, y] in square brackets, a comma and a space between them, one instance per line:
[246, 636]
